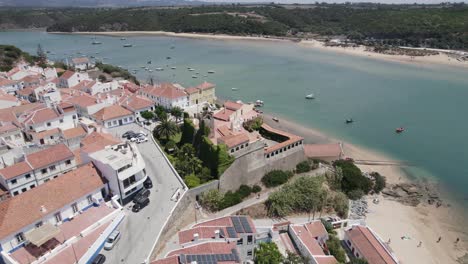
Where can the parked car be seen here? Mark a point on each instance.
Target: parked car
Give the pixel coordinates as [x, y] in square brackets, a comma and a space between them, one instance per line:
[99, 259]
[128, 133]
[141, 140]
[140, 204]
[112, 240]
[143, 133]
[148, 183]
[142, 193]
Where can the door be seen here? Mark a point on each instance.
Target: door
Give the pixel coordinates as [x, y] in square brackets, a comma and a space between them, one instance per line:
[120, 122]
[41, 141]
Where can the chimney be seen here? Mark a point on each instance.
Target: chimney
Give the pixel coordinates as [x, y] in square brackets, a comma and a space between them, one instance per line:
[43, 209]
[216, 234]
[195, 237]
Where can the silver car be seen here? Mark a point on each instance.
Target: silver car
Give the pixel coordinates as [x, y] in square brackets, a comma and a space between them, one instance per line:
[112, 240]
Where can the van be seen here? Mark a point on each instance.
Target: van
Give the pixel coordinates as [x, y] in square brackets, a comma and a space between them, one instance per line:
[112, 240]
[140, 203]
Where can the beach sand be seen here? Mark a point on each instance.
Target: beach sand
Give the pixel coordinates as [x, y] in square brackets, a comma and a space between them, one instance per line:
[392, 220]
[440, 59]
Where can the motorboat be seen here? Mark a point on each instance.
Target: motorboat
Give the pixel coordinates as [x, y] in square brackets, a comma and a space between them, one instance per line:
[211, 71]
[168, 58]
[400, 130]
[128, 45]
[191, 69]
[159, 69]
[349, 121]
[234, 89]
[275, 119]
[172, 47]
[194, 76]
[259, 103]
[123, 38]
[96, 42]
[148, 62]
[173, 68]
[310, 96]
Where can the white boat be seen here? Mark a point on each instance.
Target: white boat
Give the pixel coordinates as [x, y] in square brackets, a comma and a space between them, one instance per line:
[310, 96]
[259, 103]
[127, 45]
[194, 76]
[159, 69]
[191, 69]
[234, 89]
[150, 70]
[96, 42]
[173, 68]
[123, 39]
[211, 71]
[275, 119]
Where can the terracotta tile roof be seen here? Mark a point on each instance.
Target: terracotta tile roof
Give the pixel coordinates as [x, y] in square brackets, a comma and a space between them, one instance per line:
[323, 150]
[191, 90]
[7, 97]
[6, 82]
[131, 87]
[225, 222]
[97, 141]
[307, 240]
[204, 232]
[223, 114]
[83, 100]
[40, 116]
[168, 260]
[165, 90]
[111, 112]
[206, 248]
[326, 260]
[137, 103]
[84, 85]
[234, 140]
[25, 209]
[80, 60]
[316, 229]
[232, 105]
[291, 139]
[77, 153]
[224, 131]
[31, 79]
[67, 107]
[15, 170]
[206, 85]
[26, 91]
[67, 75]
[367, 244]
[45, 133]
[8, 127]
[74, 132]
[48, 156]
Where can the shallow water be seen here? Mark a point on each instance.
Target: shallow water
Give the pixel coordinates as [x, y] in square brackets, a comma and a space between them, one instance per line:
[430, 102]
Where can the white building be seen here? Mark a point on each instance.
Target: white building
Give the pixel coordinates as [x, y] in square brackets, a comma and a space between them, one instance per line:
[8, 100]
[95, 87]
[81, 64]
[9, 86]
[85, 104]
[73, 193]
[137, 104]
[70, 78]
[11, 134]
[112, 116]
[123, 166]
[167, 95]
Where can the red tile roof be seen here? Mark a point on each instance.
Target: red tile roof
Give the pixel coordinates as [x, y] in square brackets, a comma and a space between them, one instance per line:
[165, 90]
[367, 244]
[323, 150]
[291, 139]
[225, 222]
[234, 140]
[232, 105]
[48, 156]
[191, 90]
[8, 127]
[83, 100]
[168, 260]
[74, 132]
[97, 141]
[7, 82]
[40, 116]
[7, 97]
[80, 60]
[131, 87]
[136, 103]
[326, 260]
[204, 232]
[111, 112]
[316, 229]
[15, 170]
[223, 114]
[206, 85]
[25, 209]
[67, 75]
[45, 133]
[206, 248]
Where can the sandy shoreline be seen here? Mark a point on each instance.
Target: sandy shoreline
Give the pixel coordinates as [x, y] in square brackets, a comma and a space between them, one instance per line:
[440, 59]
[392, 220]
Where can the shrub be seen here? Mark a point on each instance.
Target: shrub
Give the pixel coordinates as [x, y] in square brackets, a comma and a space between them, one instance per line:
[328, 226]
[275, 178]
[334, 246]
[211, 200]
[303, 166]
[170, 146]
[379, 183]
[230, 199]
[244, 191]
[355, 194]
[341, 204]
[352, 178]
[256, 188]
[192, 181]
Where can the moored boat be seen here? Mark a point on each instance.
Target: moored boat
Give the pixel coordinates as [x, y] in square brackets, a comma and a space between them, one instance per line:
[128, 45]
[275, 119]
[349, 121]
[310, 96]
[400, 130]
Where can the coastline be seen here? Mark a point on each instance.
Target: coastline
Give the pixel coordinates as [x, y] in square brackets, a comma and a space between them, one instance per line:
[441, 59]
[393, 220]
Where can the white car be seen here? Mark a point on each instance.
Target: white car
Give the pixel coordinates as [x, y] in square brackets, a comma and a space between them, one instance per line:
[141, 140]
[112, 240]
[143, 133]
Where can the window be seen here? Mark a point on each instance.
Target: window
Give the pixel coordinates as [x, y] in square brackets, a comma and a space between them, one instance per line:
[124, 168]
[14, 181]
[8, 138]
[74, 208]
[129, 181]
[48, 124]
[32, 186]
[130, 119]
[90, 199]
[44, 171]
[24, 189]
[114, 122]
[249, 240]
[349, 243]
[52, 168]
[232, 150]
[55, 176]
[61, 120]
[46, 180]
[27, 176]
[125, 120]
[19, 237]
[58, 217]
[39, 224]
[15, 193]
[240, 242]
[109, 124]
[249, 253]
[129, 192]
[74, 116]
[68, 162]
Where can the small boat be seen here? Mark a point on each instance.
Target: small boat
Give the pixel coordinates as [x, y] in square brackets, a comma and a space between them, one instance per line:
[310, 96]
[159, 69]
[148, 62]
[173, 68]
[96, 42]
[194, 76]
[259, 103]
[150, 70]
[211, 71]
[128, 45]
[123, 38]
[234, 89]
[168, 58]
[92, 57]
[191, 69]
[172, 47]
[349, 121]
[275, 119]
[399, 130]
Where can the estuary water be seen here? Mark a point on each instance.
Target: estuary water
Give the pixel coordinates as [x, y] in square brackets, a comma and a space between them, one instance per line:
[429, 101]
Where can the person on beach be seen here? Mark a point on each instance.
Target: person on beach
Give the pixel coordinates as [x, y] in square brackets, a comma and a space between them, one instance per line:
[420, 243]
[438, 240]
[456, 241]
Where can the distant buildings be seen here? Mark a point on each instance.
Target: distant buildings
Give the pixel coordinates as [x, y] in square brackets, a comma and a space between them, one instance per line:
[81, 64]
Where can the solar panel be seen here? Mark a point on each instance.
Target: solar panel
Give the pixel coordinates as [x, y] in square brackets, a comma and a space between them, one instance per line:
[231, 232]
[245, 224]
[237, 224]
[235, 255]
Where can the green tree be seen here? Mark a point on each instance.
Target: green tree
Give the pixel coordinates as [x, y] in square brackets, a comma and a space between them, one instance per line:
[192, 181]
[159, 111]
[334, 246]
[211, 200]
[379, 182]
[293, 258]
[334, 179]
[341, 204]
[177, 112]
[202, 131]
[188, 132]
[166, 129]
[268, 253]
[275, 178]
[358, 261]
[42, 56]
[303, 166]
[147, 115]
[353, 180]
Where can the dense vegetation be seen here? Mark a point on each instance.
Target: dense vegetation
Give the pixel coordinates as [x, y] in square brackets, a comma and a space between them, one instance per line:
[10, 55]
[334, 243]
[438, 26]
[268, 253]
[213, 200]
[116, 72]
[276, 177]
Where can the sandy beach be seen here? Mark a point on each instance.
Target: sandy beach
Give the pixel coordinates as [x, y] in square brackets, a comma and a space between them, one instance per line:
[440, 59]
[393, 220]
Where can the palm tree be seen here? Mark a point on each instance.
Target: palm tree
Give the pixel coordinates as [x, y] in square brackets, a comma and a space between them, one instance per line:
[166, 128]
[177, 112]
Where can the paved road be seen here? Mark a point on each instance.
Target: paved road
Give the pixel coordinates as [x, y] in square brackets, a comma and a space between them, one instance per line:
[140, 230]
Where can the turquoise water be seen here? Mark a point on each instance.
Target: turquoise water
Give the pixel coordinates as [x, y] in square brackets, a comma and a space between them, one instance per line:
[430, 102]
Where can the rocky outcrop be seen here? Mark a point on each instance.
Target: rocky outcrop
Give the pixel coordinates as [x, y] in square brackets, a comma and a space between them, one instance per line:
[413, 193]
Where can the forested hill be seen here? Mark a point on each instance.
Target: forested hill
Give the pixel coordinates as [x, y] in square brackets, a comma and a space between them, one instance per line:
[436, 26]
